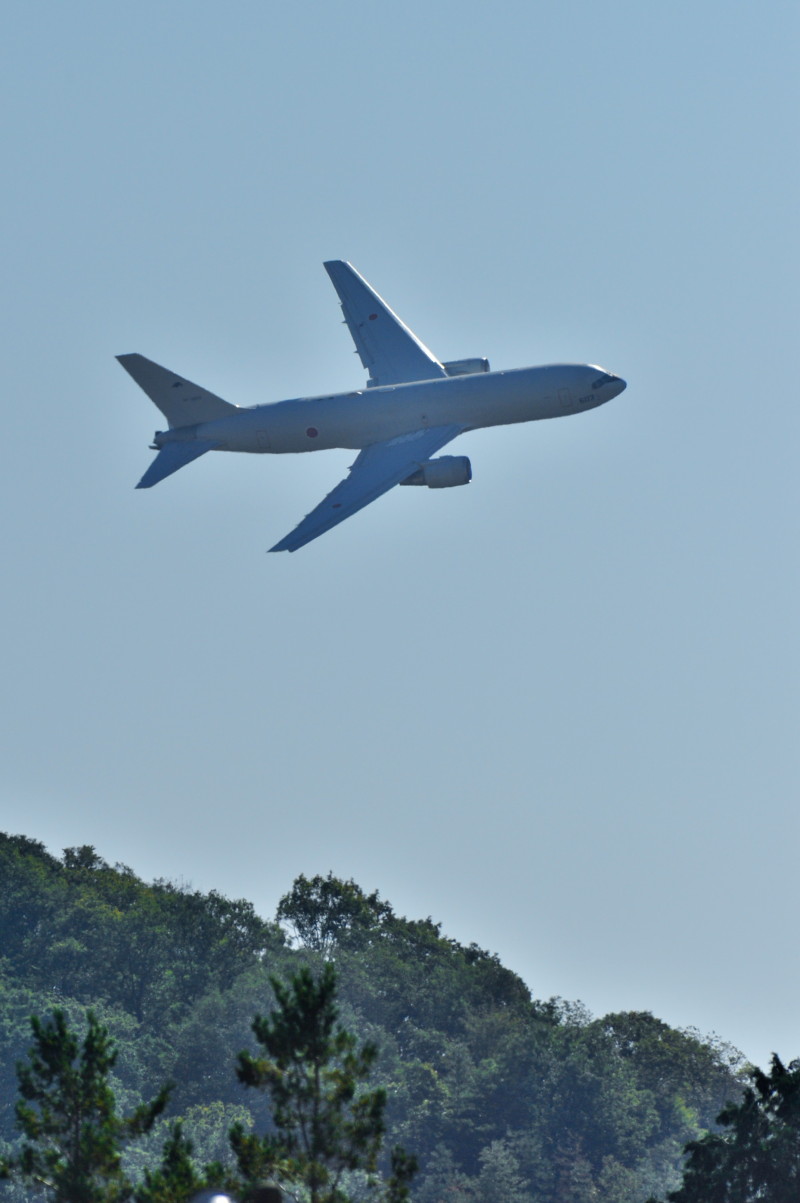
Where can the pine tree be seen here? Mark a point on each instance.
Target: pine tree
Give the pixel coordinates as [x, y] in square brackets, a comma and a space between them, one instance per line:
[67, 1112]
[758, 1156]
[175, 1180]
[326, 1124]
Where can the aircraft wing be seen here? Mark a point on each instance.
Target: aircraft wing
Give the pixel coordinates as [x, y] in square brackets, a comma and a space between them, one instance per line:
[389, 351]
[377, 469]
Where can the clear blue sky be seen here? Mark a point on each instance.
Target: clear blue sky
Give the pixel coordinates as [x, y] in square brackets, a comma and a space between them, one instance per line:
[556, 710]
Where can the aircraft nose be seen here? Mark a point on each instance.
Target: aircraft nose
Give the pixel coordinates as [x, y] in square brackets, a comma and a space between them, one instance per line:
[608, 384]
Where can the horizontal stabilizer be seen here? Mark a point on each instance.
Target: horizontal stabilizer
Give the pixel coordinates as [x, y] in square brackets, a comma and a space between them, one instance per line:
[172, 457]
[181, 402]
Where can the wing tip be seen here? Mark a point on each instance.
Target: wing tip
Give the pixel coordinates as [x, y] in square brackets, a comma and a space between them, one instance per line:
[340, 269]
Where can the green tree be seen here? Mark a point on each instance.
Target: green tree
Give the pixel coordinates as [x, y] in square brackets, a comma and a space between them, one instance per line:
[758, 1157]
[84, 857]
[326, 1124]
[28, 900]
[467, 1056]
[444, 1181]
[175, 1180]
[688, 1078]
[325, 911]
[500, 1179]
[73, 1137]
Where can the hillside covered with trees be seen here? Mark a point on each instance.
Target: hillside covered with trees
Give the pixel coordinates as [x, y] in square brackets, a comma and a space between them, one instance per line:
[497, 1094]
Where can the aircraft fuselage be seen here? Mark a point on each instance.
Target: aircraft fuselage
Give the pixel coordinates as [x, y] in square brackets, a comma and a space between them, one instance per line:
[361, 418]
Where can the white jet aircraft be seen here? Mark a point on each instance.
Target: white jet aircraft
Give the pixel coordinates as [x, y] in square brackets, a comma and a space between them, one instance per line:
[412, 406]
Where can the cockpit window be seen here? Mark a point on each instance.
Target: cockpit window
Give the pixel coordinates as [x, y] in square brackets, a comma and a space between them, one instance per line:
[606, 378]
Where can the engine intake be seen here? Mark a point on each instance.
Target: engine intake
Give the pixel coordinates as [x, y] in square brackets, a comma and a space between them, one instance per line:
[442, 473]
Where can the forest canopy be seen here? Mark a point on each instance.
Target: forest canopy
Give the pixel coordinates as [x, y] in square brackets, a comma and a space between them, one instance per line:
[495, 1092]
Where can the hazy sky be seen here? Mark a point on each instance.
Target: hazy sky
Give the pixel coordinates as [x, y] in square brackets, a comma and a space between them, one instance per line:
[556, 710]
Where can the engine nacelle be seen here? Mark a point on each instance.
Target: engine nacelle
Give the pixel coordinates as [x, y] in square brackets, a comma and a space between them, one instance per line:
[442, 473]
[466, 367]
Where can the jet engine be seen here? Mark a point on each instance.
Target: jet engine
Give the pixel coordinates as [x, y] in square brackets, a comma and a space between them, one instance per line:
[442, 473]
[466, 367]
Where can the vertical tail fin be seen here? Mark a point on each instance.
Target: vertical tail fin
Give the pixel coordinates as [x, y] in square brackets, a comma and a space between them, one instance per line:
[181, 402]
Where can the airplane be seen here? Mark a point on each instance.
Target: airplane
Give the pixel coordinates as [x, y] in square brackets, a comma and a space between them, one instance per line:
[412, 406]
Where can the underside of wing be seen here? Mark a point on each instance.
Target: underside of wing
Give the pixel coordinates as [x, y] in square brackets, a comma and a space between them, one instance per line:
[377, 469]
[389, 351]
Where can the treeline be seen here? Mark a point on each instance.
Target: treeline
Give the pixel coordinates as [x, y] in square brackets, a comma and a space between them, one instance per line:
[497, 1094]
